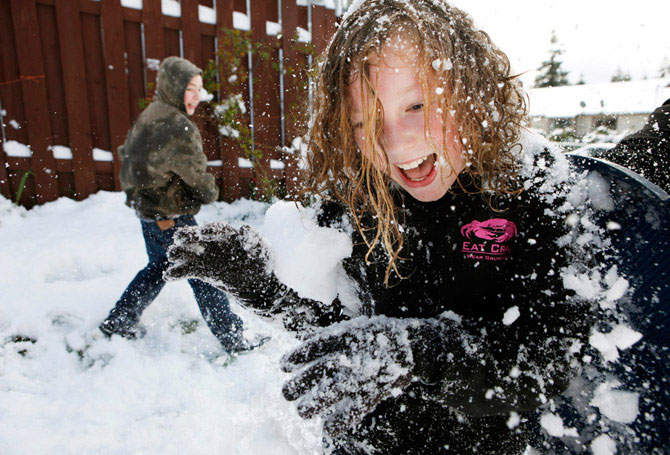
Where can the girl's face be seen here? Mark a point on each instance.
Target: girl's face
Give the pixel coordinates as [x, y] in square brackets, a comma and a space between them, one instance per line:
[192, 94]
[414, 162]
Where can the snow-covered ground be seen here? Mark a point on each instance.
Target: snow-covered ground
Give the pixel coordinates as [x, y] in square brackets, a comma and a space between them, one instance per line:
[62, 267]
[64, 264]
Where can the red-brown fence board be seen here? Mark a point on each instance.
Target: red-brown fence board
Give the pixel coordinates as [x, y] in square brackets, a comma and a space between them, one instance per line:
[190, 26]
[53, 72]
[323, 27]
[79, 127]
[134, 65]
[115, 76]
[153, 36]
[95, 80]
[10, 97]
[267, 111]
[72, 73]
[29, 55]
[170, 45]
[230, 172]
[295, 91]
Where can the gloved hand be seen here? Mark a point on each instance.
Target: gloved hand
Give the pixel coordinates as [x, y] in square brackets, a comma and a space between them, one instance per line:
[348, 368]
[236, 261]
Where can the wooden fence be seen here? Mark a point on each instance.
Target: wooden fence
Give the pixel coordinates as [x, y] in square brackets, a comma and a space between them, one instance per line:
[72, 72]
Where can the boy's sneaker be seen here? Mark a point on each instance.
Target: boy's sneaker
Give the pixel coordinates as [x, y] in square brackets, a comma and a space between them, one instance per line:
[249, 345]
[122, 327]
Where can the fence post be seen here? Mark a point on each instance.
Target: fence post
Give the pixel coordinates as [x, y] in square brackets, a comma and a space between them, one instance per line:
[230, 171]
[29, 54]
[153, 37]
[74, 77]
[118, 103]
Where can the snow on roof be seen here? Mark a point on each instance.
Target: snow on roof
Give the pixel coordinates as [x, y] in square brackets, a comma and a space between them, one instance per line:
[634, 97]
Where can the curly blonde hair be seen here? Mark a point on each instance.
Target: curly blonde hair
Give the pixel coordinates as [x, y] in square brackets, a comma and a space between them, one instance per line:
[480, 95]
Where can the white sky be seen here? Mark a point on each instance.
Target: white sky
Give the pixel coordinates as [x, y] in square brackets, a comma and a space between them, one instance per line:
[598, 36]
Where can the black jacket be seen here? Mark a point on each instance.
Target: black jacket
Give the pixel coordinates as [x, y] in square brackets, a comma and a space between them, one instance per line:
[467, 259]
[647, 151]
[500, 274]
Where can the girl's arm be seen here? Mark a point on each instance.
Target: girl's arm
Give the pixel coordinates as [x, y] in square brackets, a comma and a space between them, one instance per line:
[238, 262]
[344, 371]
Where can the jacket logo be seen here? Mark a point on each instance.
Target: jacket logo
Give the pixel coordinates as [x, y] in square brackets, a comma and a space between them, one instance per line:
[487, 239]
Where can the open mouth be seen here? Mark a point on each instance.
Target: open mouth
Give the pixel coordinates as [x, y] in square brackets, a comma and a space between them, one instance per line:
[419, 172]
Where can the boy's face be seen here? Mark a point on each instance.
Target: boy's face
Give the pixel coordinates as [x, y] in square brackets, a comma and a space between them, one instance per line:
[192, 94]
[414, 163]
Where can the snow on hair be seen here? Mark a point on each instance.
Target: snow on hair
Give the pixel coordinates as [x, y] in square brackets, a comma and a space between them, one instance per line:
[485, 101]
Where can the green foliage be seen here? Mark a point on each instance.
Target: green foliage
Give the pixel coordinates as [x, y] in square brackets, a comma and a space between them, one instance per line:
[188, 326]
[550, 73]
[144, 102]
[22, 186]
[230, 111]
[565, 134]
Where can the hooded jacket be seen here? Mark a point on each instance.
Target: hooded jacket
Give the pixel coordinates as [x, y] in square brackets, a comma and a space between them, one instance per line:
[163, 171]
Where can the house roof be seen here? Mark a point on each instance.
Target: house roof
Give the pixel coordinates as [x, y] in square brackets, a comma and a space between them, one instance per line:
[634, 97]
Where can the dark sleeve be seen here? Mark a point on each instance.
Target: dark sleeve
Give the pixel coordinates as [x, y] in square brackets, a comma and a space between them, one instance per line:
[298, 314]
[647, 152]
[494, 366]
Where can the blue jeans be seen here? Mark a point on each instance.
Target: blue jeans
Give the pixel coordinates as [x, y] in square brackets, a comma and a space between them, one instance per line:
[146, 285]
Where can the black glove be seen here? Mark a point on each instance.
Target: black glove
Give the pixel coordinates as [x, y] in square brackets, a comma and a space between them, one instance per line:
[236, 261]
[352, 366]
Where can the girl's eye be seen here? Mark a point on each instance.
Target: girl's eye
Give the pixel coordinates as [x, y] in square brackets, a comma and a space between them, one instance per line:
[357, 125]
[416, 107]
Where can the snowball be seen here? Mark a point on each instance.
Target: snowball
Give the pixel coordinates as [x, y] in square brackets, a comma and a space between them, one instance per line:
[584, 285]
[617, 290]
[601, 343]
[308, 257]
[620, 338]
[617, 405]
[553, 425]
[603, 445]
[511, 315]
[513, 420]
[624, 337]
[613, 226]
[599, 192]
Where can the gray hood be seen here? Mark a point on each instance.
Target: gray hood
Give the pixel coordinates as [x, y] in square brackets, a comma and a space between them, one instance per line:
[163, 167]
[174, 74]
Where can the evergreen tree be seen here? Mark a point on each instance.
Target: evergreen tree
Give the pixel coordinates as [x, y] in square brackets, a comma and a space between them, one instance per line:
[621, 76]
[550, 73]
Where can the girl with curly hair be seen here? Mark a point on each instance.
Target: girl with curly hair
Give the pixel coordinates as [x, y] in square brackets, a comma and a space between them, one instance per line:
[460, 245]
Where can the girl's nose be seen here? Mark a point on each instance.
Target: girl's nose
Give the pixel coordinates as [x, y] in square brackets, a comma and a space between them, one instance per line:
[395, 136]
